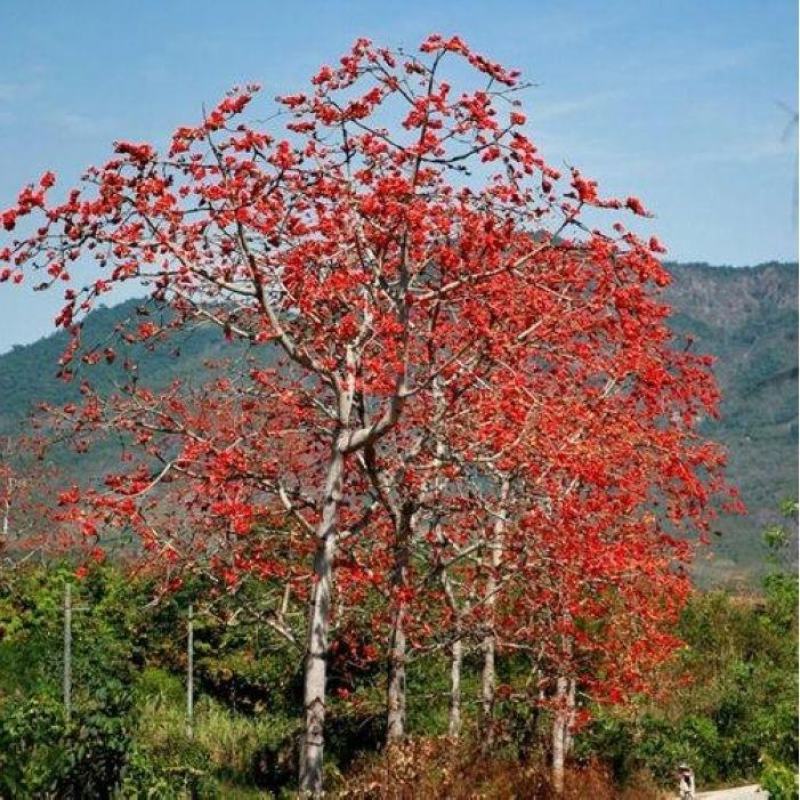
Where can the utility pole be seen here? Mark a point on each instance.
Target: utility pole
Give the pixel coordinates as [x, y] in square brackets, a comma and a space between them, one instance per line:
[68, 610]
[190, 673]
[68, 650]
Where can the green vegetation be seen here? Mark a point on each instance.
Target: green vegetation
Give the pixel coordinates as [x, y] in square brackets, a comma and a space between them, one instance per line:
[735, 719]
[129, 727]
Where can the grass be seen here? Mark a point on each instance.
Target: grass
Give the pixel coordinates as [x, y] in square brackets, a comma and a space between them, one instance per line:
[230, 751]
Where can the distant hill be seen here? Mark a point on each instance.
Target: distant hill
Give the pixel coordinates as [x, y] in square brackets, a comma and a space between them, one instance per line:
[746, 317]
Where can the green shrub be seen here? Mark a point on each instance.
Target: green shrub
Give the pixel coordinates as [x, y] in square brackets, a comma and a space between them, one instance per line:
[779, 781]
[41, 752]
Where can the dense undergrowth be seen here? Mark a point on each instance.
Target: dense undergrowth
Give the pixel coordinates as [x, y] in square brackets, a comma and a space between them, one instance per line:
[735, 720]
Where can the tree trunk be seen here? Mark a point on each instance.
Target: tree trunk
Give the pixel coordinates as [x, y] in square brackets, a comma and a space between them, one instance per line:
[456, 659]
[68, 651]
[396, 692]
[396, 684]
[569, 739]
[190, 672]
[318, 629]
[489, 644]
[488, 685]
[559, 735]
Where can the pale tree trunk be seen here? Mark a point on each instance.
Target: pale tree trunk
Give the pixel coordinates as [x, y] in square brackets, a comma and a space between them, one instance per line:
[488, 679]
[489, 643]
[457, 647]
[396, 684]
[396, 691]
[7, 499]
[456, 660]
[7, 510]
[569, 739]
[318, 629]
[559, 730]
[563, 713]
[345, 441]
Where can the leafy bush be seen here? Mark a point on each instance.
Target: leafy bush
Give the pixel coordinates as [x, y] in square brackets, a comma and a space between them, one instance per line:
[739, 707]
[779, 781]
[41, 752]
[735, 721]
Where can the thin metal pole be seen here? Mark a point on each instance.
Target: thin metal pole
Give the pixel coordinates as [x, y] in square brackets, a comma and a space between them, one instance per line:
[68, 650]
[190, 673]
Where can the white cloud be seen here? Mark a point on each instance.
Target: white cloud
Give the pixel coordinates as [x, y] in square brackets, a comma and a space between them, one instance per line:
[79, 125]
[541, 112]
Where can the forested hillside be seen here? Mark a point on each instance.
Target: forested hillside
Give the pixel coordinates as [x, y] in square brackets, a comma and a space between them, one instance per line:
[746, 317]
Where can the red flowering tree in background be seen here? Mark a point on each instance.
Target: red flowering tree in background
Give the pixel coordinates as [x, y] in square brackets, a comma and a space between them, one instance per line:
[28, 524]
[428, 315]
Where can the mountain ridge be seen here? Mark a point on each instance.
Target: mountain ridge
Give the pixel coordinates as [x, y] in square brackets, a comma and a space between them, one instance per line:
[747, 317]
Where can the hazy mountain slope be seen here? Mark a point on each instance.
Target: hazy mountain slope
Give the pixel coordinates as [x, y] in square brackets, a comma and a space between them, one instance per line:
[28, 375]
[747, 317]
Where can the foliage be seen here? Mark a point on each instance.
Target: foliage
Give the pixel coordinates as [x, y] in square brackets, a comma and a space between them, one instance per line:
[779, 781]
[224, 747]
[41, 752]
[736, 722]
[739, 709]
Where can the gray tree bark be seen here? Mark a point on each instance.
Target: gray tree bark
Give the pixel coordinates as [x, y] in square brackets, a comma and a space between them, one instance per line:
[569, 739]
[396, 691]
[488, 678]
[318, 630]
[456, 660]
[489, 643]
[396, 685]
[559, 729]
[67, 677]
[190, 672]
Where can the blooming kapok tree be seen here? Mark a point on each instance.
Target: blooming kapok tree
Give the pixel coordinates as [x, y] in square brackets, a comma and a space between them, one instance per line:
[605, 414]
[598, 432]
[600, 589]
[397, 238]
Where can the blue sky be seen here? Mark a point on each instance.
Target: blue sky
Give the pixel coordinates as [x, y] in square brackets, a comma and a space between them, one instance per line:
[676, 101]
